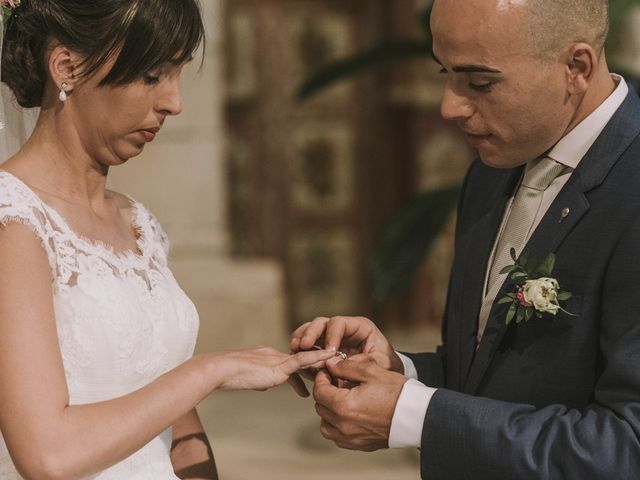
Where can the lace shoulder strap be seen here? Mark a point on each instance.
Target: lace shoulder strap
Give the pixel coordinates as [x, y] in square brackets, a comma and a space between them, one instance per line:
[155, 239]
[18, 204]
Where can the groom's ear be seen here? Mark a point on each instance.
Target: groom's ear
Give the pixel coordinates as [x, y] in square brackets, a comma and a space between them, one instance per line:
[63, 64]
[581, 64]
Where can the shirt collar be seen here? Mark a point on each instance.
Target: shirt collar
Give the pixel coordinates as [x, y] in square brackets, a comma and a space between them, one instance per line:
[575, 144]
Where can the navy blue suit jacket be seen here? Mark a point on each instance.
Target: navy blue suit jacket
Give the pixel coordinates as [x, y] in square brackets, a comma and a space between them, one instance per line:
[558, 397]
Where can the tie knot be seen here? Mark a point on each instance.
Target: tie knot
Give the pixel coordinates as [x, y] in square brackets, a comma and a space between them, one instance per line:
[541, 173]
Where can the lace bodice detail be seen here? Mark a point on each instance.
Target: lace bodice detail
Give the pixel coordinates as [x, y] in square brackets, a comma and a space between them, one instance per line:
[122, 319]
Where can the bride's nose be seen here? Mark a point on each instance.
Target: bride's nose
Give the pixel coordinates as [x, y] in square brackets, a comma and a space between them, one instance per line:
[169, 101]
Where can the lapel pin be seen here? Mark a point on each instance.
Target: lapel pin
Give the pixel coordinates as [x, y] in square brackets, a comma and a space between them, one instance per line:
[564, 214]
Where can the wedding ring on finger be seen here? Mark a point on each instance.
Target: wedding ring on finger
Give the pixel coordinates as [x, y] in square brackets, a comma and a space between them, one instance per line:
[340, 354]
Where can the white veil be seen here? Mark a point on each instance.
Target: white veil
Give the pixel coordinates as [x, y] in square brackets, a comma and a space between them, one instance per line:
[16, 123]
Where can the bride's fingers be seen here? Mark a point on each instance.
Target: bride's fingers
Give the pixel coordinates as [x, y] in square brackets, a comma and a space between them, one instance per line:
[298, 385]
[302, 360]
[316, 366]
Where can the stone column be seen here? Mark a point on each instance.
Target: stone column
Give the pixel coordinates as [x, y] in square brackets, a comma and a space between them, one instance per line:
[181, 178]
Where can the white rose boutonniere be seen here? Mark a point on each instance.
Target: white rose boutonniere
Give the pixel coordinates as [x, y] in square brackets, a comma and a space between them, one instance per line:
[536, 292]
[542, 294]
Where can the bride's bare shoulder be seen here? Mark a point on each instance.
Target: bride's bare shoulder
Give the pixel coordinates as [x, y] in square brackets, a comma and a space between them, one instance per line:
[120, 200]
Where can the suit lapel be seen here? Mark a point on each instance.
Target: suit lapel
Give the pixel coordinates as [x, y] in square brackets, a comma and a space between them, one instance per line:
[477, 243]
[621, 130]
[547, 238]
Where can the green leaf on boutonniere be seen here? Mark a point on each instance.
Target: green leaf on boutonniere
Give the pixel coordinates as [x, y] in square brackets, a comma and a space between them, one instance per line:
[519, 275]
[512, 252]
[524, 258]
[520, 314]
[546, 268]
[504, 300]
[511, 313]
[509, 269]
[528, 314]
[564, 296]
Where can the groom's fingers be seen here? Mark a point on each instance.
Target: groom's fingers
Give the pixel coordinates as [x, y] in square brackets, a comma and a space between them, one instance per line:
[328, 431]
[324, 392]
[357, 371]
[297, 334]
[326, 414]
[334, 333]
[341, 333]
[309, 334]
[298, 385]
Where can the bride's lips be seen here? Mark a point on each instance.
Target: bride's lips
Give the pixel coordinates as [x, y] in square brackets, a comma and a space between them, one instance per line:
[149, 134]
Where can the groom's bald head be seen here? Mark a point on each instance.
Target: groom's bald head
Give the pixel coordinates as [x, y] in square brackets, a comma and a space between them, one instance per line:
[555, 24]
[551, 25]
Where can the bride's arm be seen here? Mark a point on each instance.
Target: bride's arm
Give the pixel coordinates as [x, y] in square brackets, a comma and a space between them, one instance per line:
[48, 438]
[191, 452]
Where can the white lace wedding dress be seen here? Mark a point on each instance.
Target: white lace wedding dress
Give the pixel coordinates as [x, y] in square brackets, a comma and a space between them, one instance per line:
[122, 319]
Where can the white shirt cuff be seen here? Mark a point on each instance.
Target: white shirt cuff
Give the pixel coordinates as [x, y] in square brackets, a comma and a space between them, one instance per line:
[408, 417]
[409, 367]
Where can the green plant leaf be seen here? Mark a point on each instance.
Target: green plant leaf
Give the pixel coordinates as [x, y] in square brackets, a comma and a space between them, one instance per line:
[511, 313]
[383, 54]
[545, 269]
[618, 12]
[564, 296]
[405, 241]
[519, 275]
[504, 300]
[520, 314]
[524, 258]
[509, 269]
[424, 20]
[528, 313]
[512, 252]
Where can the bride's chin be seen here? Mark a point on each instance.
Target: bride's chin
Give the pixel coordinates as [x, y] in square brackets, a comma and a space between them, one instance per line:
[122, 155]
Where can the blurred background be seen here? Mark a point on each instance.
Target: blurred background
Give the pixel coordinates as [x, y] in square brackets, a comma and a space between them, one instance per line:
[288, 196]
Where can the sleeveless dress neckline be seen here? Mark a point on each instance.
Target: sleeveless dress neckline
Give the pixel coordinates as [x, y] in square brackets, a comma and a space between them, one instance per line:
[134, 226]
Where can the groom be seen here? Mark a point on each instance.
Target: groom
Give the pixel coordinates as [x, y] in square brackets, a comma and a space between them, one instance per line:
[555, 396]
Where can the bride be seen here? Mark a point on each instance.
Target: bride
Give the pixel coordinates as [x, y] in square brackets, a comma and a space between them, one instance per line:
[96, 337]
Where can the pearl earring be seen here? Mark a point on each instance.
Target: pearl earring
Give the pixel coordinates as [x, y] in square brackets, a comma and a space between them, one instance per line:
[63, 92]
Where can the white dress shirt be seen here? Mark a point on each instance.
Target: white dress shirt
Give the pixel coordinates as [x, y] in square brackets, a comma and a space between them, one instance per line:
[411, 408]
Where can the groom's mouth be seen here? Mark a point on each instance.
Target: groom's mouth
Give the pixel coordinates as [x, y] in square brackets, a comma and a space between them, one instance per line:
[477, 140]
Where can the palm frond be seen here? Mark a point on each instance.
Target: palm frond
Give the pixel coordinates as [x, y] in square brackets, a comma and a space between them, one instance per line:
[405, 242]
[383, 54]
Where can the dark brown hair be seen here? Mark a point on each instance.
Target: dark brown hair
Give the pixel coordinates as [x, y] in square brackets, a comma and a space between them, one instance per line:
[140, 34]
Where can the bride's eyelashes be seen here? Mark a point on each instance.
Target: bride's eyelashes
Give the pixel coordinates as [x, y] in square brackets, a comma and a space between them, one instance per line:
[150, 79]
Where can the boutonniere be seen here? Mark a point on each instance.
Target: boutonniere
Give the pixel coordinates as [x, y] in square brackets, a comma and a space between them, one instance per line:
[537, 292]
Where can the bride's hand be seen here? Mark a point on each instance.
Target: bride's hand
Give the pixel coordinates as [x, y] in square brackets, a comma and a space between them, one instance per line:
[265, 367]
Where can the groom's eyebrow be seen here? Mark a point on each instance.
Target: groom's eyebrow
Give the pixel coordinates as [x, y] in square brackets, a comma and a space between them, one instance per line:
[467, 68]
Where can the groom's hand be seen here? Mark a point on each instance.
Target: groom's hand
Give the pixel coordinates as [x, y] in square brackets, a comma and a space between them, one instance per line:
[351, 335]
[358, 418]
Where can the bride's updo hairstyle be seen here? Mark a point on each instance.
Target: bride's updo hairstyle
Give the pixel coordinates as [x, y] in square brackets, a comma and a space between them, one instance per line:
[140, 34]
